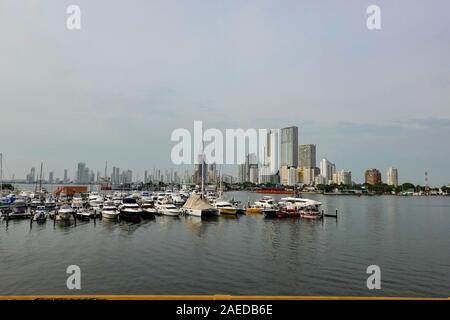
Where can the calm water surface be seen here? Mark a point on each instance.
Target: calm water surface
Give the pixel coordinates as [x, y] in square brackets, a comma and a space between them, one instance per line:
[408, 237]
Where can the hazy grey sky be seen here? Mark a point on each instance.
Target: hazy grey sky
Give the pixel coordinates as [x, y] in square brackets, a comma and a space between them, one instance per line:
[137, 70]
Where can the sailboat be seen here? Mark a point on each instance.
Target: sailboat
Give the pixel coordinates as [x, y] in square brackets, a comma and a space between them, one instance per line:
[222, 205]
[197, 205]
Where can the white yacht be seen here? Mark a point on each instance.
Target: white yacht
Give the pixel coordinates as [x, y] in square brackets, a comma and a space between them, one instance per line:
[50, 202]
[168, 209]
[110, 211]
[148, 209]
[40, 214]
[266, 202]
[65, 212]
[117, 199]
[298, 203]
[130, 208]
[225, 207]
[95, 200]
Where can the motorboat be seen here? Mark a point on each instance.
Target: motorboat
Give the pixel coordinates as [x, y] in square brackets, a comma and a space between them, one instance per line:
[310, 212]
[130, 208]
[299, 203]
[77, 204]
[109, 211]
[168, 209]
[50, 202]
[40, 214]
[95, 200]
[65, 212]
[83, 214]
[178, 199]
[225, 207]
[36, 201]
[284, 212]
[19, 210]
[148, 210]
[265, 202]
[117, 199]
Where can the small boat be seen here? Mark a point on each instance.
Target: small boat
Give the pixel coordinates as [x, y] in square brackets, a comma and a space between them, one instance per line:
[83, 214]
[310, 213]
[19, 210]
[254, 210]
[35, 202]
[109, 211]
[40, 214]
[148, 210]
[96, 200]
[199, 207]
[65, 212]
[225, 207]
[50, 202]
[168, 210]
[298, 203]
[130, 209]
[284, 213]
[265, 202]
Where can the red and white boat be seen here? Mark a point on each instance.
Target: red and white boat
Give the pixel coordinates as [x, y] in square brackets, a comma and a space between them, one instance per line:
[310, 213]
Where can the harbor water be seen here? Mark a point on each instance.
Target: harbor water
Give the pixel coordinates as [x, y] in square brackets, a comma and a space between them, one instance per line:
[407, 237]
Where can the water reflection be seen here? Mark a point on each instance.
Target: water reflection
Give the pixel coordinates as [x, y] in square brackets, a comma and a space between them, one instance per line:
[244, 255]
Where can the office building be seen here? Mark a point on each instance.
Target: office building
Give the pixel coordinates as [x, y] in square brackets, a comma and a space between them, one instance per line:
[372, 176]
[289, 147]
[307, 154]
[392, 177]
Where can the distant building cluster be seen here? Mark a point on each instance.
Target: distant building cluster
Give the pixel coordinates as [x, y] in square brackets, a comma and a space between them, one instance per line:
[281, 160]
[284, 161]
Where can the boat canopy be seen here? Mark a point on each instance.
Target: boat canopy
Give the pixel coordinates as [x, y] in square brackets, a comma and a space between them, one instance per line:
[197, 202]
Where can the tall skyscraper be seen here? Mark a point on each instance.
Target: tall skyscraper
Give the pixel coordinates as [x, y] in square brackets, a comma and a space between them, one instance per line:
[248, 171]
[51, 177]
[372, 176]
[392, 177]
[307, 154]
[82, 173]
[31, 177]
[327, 169]
[272, 150]
[270, 164]
[198, 173]
[66, 178]
[289, 147]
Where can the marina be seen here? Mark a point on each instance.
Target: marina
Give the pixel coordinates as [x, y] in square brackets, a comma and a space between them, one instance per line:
[137, 205]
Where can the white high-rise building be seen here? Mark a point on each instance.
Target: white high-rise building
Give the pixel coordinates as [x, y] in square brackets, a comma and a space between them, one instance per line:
[270, 156]
[327, 169]
[392, 177]
[343, 177]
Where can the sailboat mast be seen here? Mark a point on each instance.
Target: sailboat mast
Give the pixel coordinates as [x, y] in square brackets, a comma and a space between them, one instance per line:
[40, 181]
[1, 173]
[203, 178]
[202, 168]
[220, 183]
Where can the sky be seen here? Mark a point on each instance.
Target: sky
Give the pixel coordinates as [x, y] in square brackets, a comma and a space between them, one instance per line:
[137, 70]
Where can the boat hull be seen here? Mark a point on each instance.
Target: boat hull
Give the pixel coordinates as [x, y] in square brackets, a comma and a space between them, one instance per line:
[228, 211]
[148, 213]
[65, 215]
[254, 210]
[110, 215]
